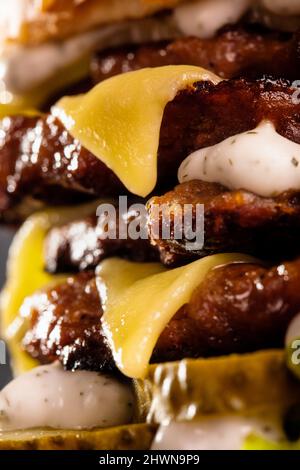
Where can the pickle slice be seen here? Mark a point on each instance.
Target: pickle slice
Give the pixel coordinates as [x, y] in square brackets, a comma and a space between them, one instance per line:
[132, 437]
[25, 275]
[193, 388]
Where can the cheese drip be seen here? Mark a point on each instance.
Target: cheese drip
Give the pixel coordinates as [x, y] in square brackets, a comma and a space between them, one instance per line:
[260, 161]
[119, 120]
[48, 396]
[24, 68]
[139, 300]
[26, 274]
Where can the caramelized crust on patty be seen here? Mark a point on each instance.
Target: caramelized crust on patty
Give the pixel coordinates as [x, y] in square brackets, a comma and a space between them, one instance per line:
[235, 52]
[238, 308]
[39, 158]
[82, 244]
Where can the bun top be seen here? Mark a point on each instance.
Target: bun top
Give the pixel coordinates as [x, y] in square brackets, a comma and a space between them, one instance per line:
[35, 21]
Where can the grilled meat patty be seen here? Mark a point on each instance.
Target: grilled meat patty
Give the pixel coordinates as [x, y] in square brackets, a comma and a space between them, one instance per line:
[39, 158]
[238, 308]
[236, 51]
[234, 220]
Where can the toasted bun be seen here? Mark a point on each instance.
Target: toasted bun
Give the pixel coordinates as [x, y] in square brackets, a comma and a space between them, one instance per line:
[36, 21]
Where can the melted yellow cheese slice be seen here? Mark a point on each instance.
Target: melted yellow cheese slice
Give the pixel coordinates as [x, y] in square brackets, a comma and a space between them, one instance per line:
[141, 299]
[119, 120]
[26, 274]
[27, 104]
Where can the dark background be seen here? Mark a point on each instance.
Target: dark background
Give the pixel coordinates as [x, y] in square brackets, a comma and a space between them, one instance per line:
[5, 239]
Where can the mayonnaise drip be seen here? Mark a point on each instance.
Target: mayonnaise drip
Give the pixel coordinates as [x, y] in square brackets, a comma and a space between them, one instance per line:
[13, 13]
[203, 18]
[260, 161]
[48, 396]
[23, 68]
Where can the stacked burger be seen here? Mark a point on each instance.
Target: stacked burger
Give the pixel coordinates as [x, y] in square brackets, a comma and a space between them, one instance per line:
[150, 155]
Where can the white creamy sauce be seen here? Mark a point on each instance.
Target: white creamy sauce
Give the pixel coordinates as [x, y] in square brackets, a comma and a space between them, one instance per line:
[293, 332]
[222, 433]
[203, 18]
[260, 161]
[23, 68]
[48, 396]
